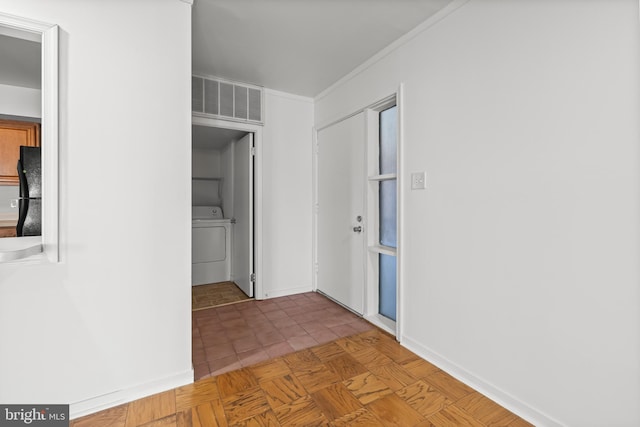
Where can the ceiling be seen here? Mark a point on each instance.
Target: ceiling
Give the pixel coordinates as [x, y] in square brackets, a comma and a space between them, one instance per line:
[19, 62]
[297, 46]
[213, 138]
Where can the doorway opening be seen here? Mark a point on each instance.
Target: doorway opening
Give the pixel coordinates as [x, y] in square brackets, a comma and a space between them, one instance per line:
[357, 173]
[28, 96]
[223, 229]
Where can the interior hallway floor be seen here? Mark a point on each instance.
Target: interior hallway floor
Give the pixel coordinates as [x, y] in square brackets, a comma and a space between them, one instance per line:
[366, 380]
[232, 336]
[215, 294]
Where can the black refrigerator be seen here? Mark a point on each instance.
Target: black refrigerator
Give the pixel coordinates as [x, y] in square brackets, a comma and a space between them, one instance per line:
[30, 198]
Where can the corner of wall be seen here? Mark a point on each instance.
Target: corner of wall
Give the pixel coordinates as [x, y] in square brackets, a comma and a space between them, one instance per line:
[109, 400]
[494, 393]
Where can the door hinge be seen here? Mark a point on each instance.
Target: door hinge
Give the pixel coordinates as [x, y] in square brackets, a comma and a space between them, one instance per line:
[253, 277]
[253, 151]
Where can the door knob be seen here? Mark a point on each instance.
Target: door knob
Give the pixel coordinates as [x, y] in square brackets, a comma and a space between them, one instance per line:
[357, 229]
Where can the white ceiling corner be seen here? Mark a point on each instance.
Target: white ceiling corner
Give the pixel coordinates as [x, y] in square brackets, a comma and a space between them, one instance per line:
[298, 46]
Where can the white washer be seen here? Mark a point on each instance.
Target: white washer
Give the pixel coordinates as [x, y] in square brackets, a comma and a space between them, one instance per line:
[210, 245]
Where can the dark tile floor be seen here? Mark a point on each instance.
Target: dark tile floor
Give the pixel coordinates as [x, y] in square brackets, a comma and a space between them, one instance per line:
[238, 335]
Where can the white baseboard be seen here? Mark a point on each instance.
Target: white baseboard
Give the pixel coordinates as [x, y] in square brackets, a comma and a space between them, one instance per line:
[386, 325]
[504, 399]
[109, 400]
[286, 292]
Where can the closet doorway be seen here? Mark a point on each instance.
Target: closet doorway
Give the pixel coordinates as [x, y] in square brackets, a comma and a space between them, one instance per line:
[225, 220]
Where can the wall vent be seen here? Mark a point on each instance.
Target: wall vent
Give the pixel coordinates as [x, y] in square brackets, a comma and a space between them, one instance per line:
[227, 100]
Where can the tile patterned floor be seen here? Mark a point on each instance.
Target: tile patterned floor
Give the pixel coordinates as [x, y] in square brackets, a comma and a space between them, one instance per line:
[216, 294]
[234, 336]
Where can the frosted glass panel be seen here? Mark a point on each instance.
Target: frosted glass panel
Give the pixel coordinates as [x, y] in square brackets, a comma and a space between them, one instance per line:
[388, 217]
[388, 140]
[387, 283]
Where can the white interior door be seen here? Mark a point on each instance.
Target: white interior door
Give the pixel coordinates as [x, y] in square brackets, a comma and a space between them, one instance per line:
[341, 159]
[242, 245]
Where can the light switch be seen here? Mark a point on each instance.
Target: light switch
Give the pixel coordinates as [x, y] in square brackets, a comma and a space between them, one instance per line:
[418, 180]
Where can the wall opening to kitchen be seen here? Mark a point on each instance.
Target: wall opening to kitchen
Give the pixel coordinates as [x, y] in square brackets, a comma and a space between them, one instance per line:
[29, 113]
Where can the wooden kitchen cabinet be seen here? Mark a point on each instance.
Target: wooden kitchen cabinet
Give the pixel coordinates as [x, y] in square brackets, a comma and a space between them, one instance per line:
[8, 231]
[13, 134]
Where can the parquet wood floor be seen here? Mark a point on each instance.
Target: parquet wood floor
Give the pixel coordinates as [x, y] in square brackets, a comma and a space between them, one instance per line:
[364, 380]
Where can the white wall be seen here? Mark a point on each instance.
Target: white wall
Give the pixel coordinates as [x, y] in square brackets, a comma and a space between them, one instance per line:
[521, 257]
[206, 163]
[112, 320]
[226, 171]
[20, 101]
[287, 201]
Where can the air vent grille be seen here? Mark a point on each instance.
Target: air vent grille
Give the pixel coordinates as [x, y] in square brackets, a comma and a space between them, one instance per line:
[241, 102]
[255, 106]
[227, 100]
[211, 97]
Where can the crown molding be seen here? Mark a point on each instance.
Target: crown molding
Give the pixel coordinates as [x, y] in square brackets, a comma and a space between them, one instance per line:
[189, 2]
[428, 23]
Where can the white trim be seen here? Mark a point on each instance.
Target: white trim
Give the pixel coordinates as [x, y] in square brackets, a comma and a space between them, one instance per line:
[338, 120]
[437, 17]
[502, 398]
[189, 2]
[109, 400]
[371, 213]
[49, 132]
[48, 36]
[384, 250]
[289, 291]
[376, 106]
[314, 208]
[226, 118]
[385, 177]
[400, 184]
[20, 34]
[22, 25]
[383, 323]
[258, 290]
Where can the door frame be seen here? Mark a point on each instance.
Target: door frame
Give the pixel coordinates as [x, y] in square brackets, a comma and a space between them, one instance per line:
[370, 293]
[258, 292]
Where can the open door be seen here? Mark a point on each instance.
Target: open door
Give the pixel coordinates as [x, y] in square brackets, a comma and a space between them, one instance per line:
[242, 245]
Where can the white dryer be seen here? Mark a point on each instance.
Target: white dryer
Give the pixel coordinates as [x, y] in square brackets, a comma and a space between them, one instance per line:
[210, 245]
